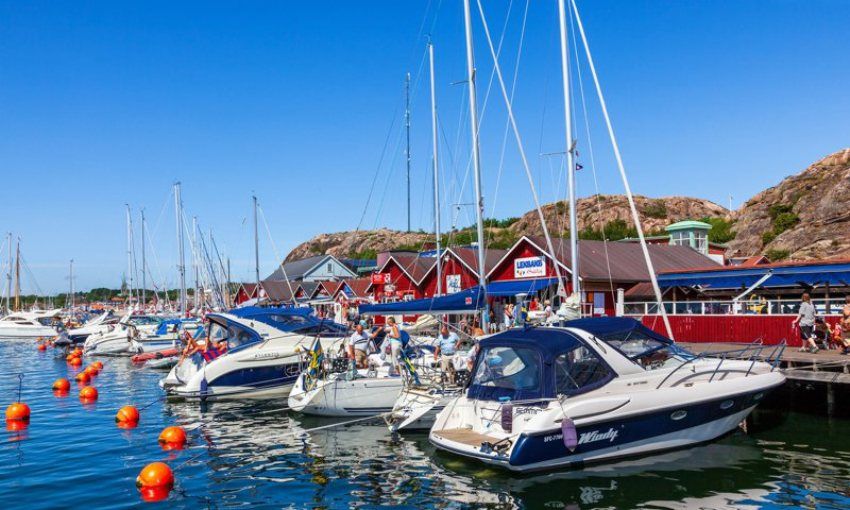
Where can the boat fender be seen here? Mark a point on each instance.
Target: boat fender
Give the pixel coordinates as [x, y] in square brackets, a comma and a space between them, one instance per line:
[507, 417]
[568, 431]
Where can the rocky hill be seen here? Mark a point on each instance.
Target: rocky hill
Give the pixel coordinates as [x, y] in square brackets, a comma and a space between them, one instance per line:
[594, 213]
[805, 216]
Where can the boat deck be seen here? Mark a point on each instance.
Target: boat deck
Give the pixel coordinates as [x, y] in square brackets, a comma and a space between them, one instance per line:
[466, 436]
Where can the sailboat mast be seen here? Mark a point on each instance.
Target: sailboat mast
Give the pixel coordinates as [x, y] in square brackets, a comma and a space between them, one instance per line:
[196, 263]
[407, 129]
[256, 250]
[436, 168]
[129, 255]
[9, 279]
[565, 74]
[144, 265]
[181, 268]
[71, 284]
[476, 162]
[18, 276]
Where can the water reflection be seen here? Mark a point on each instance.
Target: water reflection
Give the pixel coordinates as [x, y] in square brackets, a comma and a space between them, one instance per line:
[259, 454]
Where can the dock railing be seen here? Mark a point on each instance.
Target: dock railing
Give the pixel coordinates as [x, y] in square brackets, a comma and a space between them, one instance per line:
[729, 307]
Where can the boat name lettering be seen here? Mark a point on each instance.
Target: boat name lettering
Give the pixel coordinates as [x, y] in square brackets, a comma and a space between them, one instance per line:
[595, 435]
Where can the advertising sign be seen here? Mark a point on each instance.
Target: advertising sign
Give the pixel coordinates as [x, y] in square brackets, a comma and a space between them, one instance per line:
[529, 267]
[452, 283]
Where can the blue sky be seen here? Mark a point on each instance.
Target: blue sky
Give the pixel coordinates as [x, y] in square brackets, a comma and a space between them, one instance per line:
[107, 103]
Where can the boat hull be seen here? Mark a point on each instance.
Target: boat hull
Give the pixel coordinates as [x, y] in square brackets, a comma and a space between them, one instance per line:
[608, 439]
[340, 397]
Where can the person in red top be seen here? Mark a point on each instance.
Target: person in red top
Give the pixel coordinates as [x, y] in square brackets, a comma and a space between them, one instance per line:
[533, 305]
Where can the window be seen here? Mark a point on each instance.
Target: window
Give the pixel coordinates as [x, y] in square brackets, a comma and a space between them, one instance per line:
[330, 268]
[580, 370]
[643, 349]
[508, 368]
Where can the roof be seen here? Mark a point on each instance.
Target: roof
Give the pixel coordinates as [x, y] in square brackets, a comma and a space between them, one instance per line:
[788, 274]
[413, 265]
[309, 288]
[469, 256]
[625, 260]
[358, 286]
[640, 289]
[330, 286]
[279, 290]
[357, 264]
[682, 225]
[298, 269]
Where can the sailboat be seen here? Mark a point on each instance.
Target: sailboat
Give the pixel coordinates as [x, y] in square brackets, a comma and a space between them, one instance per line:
[593, 390]
[20, 324]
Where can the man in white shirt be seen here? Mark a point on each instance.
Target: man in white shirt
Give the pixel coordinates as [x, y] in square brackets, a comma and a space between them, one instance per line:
[358, 346]
[446, 345]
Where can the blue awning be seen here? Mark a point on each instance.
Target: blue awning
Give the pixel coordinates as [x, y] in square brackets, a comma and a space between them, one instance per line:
[809, 275]
[465, 301]
[514, 287]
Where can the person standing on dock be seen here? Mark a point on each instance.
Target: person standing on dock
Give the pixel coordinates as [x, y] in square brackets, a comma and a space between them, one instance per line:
[845, 325]
[806, 319]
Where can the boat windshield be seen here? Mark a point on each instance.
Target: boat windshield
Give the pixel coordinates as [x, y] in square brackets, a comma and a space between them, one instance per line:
[646, 351]
[234, 335]
[144, 320]
[507, 373]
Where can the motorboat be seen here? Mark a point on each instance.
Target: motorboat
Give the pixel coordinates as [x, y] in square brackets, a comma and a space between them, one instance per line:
[27, 325]
[595, 390]
[118, 338]
[341, 389]
[262, 354]
[167, 336]
[98, 324]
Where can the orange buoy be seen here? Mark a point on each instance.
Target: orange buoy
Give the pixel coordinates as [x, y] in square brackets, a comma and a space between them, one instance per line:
[91, 370]
[88, 393]
[172, 438]
[127, 414]
[42, 347]
[18, 412]
[155, 475]
[61, 384]
[75, 362]
[98, 364]
[154, 494]
[82, 377]
[16, 426]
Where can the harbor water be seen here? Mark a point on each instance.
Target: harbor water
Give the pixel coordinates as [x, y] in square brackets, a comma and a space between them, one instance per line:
[257, 454]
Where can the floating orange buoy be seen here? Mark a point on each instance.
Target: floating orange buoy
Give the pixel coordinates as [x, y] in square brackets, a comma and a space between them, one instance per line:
[172, 438]
[75, 362]
[88, 393]
[127, 414]
[16, 426]
[18, 412]
[91, 370]
[98, 364]
[153, 494]
[61, 385]
[42, 347]
[82, 377]
[155, 475]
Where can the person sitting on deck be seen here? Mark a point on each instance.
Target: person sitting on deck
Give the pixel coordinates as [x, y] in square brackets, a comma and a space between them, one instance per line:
[806, 319]
[822, 333]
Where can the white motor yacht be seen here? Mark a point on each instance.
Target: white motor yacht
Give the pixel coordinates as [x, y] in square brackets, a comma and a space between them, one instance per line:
[98, 324]
[28, 325]
[262, 357]
[118, 338]
[595, 390]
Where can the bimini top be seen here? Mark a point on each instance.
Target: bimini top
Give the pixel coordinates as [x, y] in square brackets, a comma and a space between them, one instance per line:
[616, 329]
[288, 319]
[528, 364]
[550, 342]
[164, 326]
